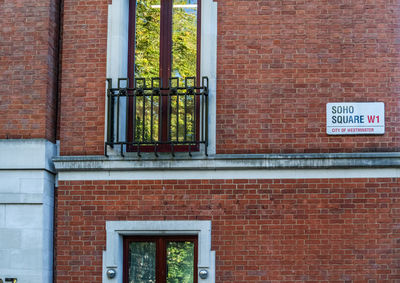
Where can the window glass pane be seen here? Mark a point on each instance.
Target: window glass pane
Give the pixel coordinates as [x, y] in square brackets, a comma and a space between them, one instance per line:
[184, 64]
[180, 262]
[147, 56]
[184, 38]
[142, 262]
[147, 45]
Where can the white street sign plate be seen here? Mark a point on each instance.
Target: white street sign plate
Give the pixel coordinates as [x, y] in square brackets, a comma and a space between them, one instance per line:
[355, 118]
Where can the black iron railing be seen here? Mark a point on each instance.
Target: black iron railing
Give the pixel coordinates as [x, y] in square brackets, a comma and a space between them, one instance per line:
[151, 118]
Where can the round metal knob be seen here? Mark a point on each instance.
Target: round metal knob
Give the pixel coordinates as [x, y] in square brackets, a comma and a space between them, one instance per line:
[203, 274]
[111, 273]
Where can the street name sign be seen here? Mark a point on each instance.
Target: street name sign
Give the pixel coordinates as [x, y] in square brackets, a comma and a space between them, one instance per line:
[355, 118]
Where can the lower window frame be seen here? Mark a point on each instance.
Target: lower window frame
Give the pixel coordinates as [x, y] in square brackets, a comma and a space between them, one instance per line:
[117, 230]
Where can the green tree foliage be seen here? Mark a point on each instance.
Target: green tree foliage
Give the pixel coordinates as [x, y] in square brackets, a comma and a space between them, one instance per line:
[180, 262]
[147, 42]
[184, 41]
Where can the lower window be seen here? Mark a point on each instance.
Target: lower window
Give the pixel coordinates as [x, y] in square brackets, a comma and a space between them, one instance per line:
[160, 259]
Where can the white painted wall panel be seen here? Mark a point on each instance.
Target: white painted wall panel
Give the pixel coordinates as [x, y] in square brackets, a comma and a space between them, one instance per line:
[2, 215]
[4, 261]
[31, 185]
[9, 182]
[26, 244]
[10, 239]
[30, 237]
[26, 210]
[27, 259]
[24, 216]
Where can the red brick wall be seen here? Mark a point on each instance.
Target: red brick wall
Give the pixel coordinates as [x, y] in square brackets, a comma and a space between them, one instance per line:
[280, 62]
[316, 230]
[28, 51]
[84, 54]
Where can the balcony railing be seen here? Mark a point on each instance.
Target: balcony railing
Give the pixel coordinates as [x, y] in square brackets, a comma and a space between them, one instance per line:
[151, 118]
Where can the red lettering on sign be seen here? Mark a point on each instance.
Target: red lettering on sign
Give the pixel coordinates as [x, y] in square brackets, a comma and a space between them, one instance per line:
[371, 119]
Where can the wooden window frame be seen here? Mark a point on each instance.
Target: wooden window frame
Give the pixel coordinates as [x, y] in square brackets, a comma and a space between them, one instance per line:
[165, 66]
[161, 256]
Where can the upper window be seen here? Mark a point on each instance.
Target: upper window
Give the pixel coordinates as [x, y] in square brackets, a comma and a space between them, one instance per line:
[163, 67]
[160, 102]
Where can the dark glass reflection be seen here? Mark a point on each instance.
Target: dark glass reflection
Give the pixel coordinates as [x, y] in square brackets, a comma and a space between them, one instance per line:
[142, 262]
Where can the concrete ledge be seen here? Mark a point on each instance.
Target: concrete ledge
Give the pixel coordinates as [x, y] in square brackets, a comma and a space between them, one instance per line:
[31, 154]
[229, 162]
[21, 198]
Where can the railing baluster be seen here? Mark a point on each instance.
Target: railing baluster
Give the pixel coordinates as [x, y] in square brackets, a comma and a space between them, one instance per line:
[110, 116]
[206, 122]
[151, 109]
[195, 135]
[177, 112]
[134, 113]
[160, 116]
[144, 112]
[126, 111]
[169, 106]
[206, 115]
[118, 101]
[185, 120]
[202, 113]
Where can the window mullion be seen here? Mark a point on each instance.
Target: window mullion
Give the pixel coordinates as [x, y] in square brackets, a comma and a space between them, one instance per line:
[165, 60]
[161, 261]
[166, 40]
